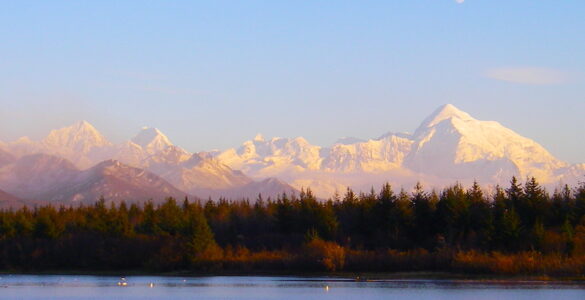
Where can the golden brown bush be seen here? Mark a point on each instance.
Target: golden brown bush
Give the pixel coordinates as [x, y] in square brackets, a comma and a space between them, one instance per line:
[328, 255]
[522, 263]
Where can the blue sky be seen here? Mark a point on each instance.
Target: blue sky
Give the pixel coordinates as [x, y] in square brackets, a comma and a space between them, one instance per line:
[211, 74]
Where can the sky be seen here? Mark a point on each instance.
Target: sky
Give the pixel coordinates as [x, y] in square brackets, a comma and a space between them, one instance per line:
[212, 74]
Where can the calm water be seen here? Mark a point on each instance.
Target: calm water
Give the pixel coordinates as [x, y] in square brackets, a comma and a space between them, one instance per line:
[177, 288]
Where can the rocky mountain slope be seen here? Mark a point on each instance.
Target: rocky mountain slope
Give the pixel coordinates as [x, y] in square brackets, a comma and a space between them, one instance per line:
[51, 179]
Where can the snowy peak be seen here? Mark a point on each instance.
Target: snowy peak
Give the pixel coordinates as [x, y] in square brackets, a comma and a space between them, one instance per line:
[151, 140]
[465, 147]
[445, 112]
[83, 125]
[80, 137]
[163, 161]
[80, 143]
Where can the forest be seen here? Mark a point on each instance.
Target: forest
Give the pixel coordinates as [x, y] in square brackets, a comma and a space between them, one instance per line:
[520, 229]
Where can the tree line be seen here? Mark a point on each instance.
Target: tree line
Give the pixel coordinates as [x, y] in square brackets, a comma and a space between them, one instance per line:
[521, 228]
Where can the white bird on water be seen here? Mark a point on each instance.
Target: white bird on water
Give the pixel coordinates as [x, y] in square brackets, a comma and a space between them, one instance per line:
[122, 282]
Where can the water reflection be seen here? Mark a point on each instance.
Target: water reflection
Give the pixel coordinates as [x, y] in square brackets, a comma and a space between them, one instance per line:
[151, 287]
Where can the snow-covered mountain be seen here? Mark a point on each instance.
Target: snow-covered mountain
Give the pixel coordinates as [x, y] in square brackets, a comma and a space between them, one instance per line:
[450, 143]
[79, 143]
[151, 140]
[448, 146]
[198, 172]
[267, 158]
[263, 158]
[193, 173]
[384, 154]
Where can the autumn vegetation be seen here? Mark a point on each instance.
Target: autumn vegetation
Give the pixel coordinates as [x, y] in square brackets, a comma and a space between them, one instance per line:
[517, 230]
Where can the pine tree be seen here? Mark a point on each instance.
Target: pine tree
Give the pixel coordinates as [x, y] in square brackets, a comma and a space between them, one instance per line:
[424, 218]
[481, 219]
[451, 215]
[170, 216]
[385, 215]
[511, 230]
[150, 224]
[199, 235]
[514, 193]
[534, 204]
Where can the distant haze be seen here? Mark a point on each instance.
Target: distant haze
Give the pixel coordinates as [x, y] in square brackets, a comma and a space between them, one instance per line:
[212, 74]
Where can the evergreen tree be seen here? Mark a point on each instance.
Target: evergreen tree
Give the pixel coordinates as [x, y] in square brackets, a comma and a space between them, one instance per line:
[45, 225]
[534, 205]
[514, 193]
[199, 235]
[386, 216]
[511, 230]
[170, 217]
[481, 218]
[424, 222]
[150, 223]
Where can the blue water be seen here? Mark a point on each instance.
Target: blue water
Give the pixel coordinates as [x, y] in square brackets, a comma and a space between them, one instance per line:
[234, 287]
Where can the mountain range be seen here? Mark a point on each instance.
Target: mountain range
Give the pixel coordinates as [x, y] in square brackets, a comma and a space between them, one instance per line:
[448, 146]
[77, 164]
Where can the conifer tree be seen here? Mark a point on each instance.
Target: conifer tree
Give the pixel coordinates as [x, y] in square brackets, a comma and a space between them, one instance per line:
[199, 234]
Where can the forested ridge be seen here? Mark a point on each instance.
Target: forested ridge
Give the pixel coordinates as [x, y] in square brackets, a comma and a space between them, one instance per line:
[518, 229]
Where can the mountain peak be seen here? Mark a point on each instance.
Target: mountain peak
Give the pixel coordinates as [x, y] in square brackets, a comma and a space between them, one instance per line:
[445, 112]
[80, 137]
[80, 126]
[151, 139]
[83, 124]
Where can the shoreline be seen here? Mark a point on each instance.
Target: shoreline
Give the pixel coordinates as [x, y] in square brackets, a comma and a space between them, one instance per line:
[323, 276]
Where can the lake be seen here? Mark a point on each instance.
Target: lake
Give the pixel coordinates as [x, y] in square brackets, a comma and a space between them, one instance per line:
[250, 287]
